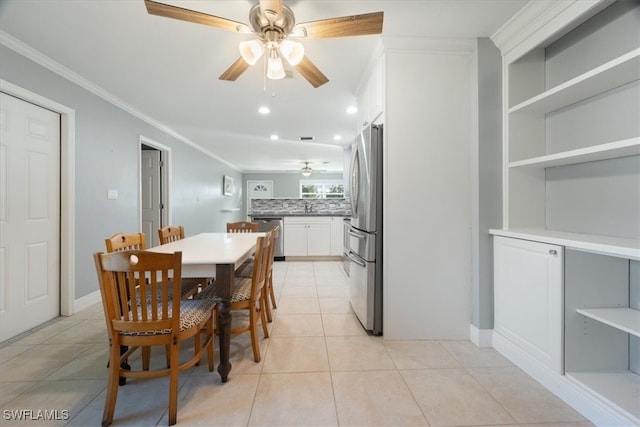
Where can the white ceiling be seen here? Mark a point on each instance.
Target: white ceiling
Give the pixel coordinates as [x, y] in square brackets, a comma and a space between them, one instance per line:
[168, 70]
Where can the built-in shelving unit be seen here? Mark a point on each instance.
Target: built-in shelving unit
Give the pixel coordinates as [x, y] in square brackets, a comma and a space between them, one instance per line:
[571, 114]
[607, 151]
[615, 73]
[625, 319]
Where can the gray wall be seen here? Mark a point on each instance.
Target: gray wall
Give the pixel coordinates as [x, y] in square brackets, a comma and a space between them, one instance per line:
[488, 179]
[106, 156]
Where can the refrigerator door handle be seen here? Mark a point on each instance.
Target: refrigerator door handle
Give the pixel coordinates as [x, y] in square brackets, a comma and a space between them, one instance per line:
[355, 259]
[356, 234]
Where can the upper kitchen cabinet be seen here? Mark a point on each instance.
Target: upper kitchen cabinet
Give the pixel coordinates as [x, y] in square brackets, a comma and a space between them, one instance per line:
[371, 96]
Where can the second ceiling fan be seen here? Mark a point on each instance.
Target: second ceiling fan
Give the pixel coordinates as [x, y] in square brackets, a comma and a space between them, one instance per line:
[273, 23]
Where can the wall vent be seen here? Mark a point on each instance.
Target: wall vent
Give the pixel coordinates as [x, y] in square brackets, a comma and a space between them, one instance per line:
[306, 138]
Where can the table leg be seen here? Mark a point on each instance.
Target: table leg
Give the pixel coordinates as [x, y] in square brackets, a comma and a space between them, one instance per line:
[224, 279]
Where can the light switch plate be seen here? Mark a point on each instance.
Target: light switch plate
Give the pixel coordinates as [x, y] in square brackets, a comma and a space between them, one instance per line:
[112, 194]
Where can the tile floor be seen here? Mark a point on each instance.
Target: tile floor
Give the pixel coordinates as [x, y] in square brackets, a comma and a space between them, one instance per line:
[318, 368]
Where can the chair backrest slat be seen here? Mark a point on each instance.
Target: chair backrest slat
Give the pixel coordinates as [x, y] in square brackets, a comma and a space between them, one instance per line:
[242, 227]
[170, 233]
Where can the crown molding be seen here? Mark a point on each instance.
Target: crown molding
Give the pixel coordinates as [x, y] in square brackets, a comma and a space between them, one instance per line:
[539, 21]
[39, 58]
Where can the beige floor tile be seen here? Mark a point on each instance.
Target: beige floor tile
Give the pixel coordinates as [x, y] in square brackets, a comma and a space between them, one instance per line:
[452, 397]
[11, 390]
[299, 354]
[141, 402]
[294, 400]
[297, 325]
[10, 351]
[89, 365]
[357, 353]
[420, 355]
[207, 401]
[45, 333]
[333, 292]
[59, 396]
[470, 355]
[299, 291]
[525, 399]
[375, 398]
[40, 362]
[342, 324]
[87, 331]
[295, 305]
[335, 305]
[567, 424]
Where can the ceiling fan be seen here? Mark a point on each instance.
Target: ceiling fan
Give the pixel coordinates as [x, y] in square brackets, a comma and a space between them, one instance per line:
[273, 23]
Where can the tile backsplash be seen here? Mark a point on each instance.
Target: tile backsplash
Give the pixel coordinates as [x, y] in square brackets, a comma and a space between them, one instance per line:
[334, 207]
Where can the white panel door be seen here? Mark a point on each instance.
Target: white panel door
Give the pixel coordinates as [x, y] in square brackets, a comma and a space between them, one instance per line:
[29, 216]
[151, 195]
[258, 190]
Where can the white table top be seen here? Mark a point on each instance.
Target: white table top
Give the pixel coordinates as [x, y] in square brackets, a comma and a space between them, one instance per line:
[201, 252]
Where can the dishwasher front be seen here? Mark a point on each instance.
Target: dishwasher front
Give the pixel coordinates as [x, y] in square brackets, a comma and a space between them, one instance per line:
[267, 224]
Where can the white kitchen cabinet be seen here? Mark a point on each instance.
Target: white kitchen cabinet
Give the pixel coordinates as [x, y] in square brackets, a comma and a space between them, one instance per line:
[337, 235]
[370, 97]
[528, 291]
[571, 176]
[307, 236]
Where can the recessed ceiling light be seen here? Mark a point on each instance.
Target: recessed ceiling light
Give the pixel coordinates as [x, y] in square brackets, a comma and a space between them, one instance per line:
[274, 137]
[264, 110]
[337, 137]
[352, 109]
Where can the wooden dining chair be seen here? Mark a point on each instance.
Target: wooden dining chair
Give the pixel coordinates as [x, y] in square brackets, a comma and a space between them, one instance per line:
[137, 241]
[246, 270]
[172, 233]
[249, 294]
[140, 282]
[242, 227]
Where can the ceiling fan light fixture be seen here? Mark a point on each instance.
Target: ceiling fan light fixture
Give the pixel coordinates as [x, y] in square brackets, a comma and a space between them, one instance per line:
[306, 170]
[292, 51]
[251, 51]
[275, 68]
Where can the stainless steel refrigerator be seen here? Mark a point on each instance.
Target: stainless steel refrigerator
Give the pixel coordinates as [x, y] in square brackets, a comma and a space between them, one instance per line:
[365, 233]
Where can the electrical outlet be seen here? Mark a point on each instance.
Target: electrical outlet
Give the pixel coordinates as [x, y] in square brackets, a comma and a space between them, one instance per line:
[112, 194]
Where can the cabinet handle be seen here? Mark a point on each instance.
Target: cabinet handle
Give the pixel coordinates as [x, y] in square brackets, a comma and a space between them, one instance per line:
[553, 252]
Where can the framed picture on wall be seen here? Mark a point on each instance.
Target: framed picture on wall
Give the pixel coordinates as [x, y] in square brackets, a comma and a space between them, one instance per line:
[227, 185]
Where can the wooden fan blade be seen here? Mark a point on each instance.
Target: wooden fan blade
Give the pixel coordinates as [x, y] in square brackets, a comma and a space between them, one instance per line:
[271, 8]
[310, 72]
[354, 25]
[175, 12]
[235, 70]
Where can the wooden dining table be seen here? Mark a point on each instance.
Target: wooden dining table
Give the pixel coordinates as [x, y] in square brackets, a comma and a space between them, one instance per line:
[215, 255]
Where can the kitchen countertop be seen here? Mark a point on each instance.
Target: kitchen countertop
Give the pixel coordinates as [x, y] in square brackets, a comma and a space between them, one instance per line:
[320, 213]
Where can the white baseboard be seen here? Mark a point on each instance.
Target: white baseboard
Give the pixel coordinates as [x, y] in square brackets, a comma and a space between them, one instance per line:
[482, 338]
[580, 398]
[86, 301]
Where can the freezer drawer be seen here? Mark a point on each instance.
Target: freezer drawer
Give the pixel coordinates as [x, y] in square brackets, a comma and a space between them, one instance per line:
[362, 289]
[362, 243]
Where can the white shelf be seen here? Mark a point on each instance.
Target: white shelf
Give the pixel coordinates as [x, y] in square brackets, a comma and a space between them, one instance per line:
[622, 389]
[625, 319]
[613, 246]
[611, 150]
[230, 210]
[611, 75]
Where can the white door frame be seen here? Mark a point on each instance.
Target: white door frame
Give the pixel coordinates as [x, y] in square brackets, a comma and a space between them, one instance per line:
[165, 179]
[67, 190]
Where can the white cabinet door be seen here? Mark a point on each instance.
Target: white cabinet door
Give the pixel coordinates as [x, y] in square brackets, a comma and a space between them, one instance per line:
[319, 238]
[529, 297]
[295, 239]
[337, 235]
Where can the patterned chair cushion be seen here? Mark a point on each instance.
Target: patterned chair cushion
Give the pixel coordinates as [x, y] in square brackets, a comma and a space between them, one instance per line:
[192, 312]
[241, 291]
[188, 288]
[245, 270]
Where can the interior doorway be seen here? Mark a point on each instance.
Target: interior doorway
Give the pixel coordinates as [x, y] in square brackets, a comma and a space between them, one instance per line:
[154, 188]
